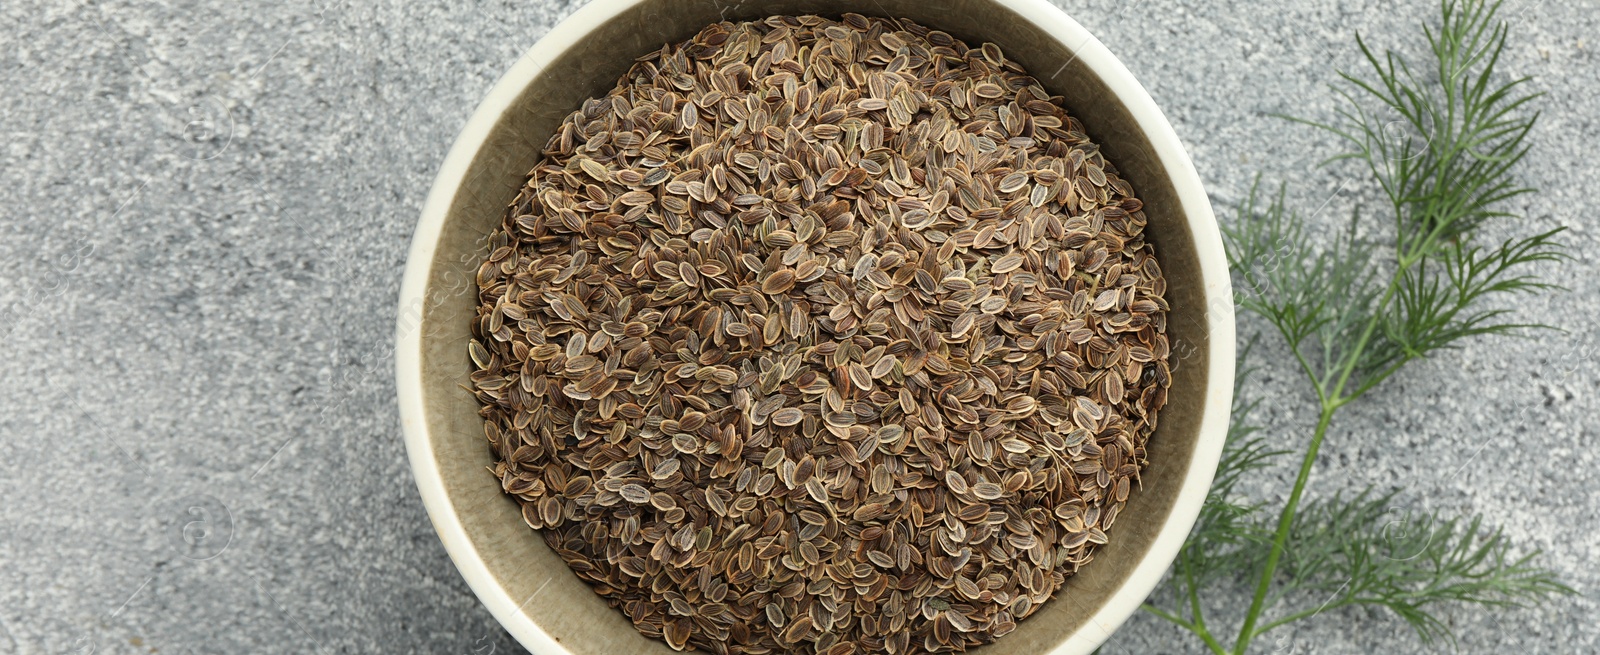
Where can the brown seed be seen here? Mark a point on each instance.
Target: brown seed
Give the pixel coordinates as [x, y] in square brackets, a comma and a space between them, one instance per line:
[779, 282]
[593, 169]
[634, 493]
[880, 558]
[859, 376]
[884, 366]
[1007, 263]
[962, 325]
[987, 491]
[786, 417]
[1012, 182]
[665, 469]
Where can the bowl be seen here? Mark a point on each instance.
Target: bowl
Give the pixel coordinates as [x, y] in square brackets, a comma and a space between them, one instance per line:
[527, 587]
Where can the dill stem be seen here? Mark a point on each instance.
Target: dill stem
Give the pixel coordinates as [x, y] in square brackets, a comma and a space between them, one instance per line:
[1331, 402]
[1199, 616]
[1285, 521]
[1174, 619]
[1302, 614]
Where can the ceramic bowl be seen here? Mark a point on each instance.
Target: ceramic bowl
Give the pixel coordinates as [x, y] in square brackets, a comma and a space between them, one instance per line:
[522, 582]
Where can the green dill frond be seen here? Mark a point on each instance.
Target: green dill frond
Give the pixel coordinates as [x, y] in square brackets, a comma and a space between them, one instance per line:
[1441, 147]
[1362, 550]
[1444, 146]
[1437, 304]
[1318, 301]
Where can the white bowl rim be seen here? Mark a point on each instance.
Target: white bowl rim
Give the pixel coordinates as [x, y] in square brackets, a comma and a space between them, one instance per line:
[1050, 19]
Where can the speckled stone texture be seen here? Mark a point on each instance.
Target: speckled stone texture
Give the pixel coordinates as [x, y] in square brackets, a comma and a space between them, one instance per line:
[206, 213]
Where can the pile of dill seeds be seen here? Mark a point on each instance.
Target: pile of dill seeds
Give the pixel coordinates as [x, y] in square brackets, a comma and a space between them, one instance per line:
[821, 336]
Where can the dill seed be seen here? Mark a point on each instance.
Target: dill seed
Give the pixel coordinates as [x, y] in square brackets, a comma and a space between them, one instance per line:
[822, 337]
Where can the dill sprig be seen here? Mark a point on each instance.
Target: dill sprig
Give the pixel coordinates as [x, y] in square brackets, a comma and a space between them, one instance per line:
[1361, 551]
[1355, 312]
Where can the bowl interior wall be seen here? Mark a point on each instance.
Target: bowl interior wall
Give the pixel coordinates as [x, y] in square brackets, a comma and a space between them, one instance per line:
[519, 560]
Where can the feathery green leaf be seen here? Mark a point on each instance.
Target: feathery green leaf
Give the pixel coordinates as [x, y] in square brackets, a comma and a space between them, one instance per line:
[1444, 148]
[1361, 550]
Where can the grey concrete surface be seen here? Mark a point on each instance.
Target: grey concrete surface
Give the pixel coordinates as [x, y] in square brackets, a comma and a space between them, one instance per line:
[206, 209]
